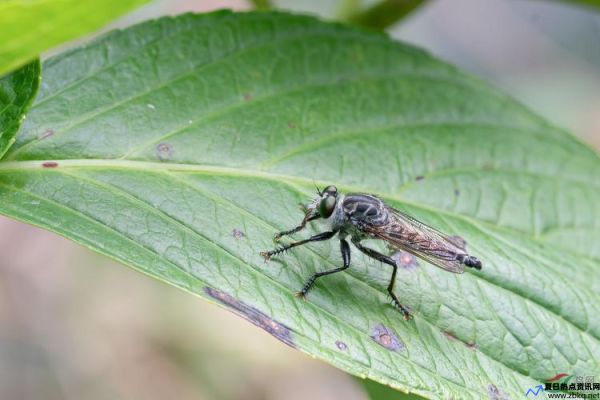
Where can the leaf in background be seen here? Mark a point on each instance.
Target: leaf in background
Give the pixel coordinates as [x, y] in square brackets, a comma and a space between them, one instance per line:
[31, 26]
[377, 391]
[385, 13]
[180, 146]
[17, 91]
[592, 4]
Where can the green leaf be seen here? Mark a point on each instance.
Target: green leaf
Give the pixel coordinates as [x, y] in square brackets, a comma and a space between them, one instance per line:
[180, 146]
[17, 91]
[585, 3]
[377, 391]
[32, 26]
[385, 13]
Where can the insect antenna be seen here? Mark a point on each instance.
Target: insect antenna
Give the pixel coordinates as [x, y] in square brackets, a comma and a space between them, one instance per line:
[316, 187]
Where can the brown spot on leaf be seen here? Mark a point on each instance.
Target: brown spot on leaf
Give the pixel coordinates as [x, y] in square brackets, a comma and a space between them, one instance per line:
[341, 345]
[291, 125]
[471, 346]
[50, 164]
[164, 151]
[419, 178]
[495, 393]
[257, 317]
[449, 335]
[405, 260]
[387, 338]
[236, 233]
[46, 134]
[247, 96]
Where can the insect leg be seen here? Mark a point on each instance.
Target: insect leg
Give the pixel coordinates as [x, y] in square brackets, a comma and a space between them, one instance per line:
[388, 260]
[345, 249]
[315, 238]
[298, 228]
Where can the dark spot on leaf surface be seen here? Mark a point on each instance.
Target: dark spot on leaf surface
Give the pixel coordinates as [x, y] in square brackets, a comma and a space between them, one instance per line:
[556, 377]
[50, 164]
[247, 96]
[419, 178]
[164, 151]
[236, 233]
[456, 192]
[405, 260]
[46, 134]
[387, 338]
[341, 345]
[291, 124]
[257, 317]
[450, 335]
[470, 346]
[495, 393]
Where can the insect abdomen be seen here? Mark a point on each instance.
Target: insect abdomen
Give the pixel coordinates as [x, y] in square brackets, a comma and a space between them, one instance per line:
[470, 261]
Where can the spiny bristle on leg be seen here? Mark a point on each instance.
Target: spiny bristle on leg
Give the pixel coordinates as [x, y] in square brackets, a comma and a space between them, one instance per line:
[268, 254]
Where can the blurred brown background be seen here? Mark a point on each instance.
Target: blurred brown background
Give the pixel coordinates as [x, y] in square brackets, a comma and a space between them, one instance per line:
[75, 325]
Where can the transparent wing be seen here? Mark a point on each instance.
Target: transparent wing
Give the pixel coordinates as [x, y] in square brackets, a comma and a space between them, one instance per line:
[408, 234]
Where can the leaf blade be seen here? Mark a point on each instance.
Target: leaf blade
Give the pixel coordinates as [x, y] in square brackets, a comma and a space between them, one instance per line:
[262, 127]
[17, 91]
[32, 27]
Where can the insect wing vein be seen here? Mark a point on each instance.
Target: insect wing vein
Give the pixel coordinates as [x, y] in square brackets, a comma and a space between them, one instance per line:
[419, 239]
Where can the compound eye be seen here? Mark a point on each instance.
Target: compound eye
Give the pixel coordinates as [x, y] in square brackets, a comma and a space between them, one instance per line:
[326, 206]
[332, 190]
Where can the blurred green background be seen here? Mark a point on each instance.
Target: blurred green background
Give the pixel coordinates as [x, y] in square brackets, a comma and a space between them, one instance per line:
[75, 325]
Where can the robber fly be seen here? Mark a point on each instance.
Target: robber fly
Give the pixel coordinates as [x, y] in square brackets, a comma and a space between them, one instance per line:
[364, 216]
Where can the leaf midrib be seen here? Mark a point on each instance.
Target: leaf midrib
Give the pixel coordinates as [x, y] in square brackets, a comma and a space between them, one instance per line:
[238, 171]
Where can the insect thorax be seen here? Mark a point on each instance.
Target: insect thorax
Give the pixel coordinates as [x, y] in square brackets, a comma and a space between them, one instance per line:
[353, 210]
